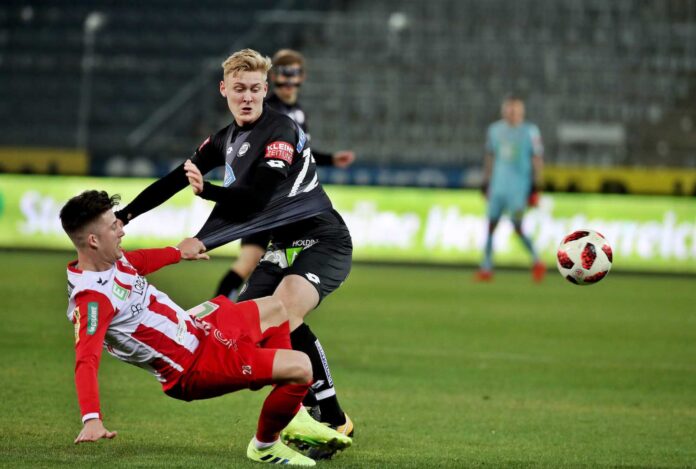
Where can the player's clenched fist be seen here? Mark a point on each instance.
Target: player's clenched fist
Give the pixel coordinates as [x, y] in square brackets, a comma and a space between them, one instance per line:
[195, 178]
[192, 249]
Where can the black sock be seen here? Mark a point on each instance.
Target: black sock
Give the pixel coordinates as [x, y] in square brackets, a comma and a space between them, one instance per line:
[229, 283]
[324, 394]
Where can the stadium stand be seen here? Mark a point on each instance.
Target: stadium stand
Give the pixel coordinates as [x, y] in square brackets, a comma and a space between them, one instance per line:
[144, 53]
[402, 83]
[433, 72]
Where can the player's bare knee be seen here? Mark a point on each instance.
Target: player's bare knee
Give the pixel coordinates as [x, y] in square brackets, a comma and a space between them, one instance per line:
[304, 368]
[295, 314]
[278, 310]
[296, 368]
[272, 312]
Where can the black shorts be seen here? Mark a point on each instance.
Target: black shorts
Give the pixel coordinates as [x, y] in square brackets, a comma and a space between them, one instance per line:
[323, 255]
[258, 239]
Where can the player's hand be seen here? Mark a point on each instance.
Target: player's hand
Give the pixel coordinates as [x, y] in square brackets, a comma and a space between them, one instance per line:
[195, 178]
[192, 249]
[94, 430]
[343, 158]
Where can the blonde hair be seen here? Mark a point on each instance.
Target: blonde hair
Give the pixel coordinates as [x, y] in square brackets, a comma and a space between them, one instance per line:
[246, 60]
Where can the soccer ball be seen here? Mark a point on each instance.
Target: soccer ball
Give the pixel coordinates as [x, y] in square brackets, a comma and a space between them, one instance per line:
[584, 257]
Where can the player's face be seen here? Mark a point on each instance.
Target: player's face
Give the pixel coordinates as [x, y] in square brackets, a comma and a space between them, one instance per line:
[244, 92]
[513, 112]
[287, 80]
[108, 232]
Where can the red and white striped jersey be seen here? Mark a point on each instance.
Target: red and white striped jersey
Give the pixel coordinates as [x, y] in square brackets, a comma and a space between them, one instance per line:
[120, 311]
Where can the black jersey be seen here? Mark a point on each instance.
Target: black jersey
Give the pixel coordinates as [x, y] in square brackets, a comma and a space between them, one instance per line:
[296, 113]
[293, 111]
[274, 142]
[270, 180]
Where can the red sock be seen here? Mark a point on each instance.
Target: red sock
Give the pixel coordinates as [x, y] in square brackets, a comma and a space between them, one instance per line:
[277, 337]
[278, 409]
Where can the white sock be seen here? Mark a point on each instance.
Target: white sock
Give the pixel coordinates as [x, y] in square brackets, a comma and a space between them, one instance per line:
[263, 445]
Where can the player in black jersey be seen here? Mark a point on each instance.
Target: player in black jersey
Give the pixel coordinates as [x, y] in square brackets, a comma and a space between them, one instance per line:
[287, 76]
[270, 186]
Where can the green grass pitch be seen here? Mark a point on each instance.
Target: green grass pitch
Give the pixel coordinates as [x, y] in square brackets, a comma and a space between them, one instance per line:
[436, 371]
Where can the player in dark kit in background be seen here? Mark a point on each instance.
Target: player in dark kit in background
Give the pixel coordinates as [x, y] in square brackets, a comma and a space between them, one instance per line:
[270, 185]
[287, 76]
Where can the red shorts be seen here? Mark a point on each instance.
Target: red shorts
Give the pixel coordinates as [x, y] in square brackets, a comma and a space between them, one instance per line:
[228, 358]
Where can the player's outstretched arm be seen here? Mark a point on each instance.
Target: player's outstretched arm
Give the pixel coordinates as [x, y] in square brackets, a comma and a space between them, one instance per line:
[94, 430]
[154, 195]
[240, 201]
[164, 188]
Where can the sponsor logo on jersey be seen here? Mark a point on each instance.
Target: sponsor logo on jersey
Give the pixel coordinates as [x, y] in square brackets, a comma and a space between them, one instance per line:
[229, 176]
[139, 285]
[275, 164]
[305, 243]
[243, 149]
[76, 322]
[277, 257]
[280, 150]
[92, 317]
[292, 253]
[301, 141]
[181, 331]
[202, 310]
[120, 292]
[229, 150]
[312, 278]
[229, 343]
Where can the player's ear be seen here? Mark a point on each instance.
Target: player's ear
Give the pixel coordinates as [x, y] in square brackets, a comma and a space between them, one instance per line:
[223, 90]
[92, 241]
[265, 89]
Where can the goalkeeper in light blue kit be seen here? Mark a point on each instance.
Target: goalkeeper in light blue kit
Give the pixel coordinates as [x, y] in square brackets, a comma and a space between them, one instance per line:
[512, 173]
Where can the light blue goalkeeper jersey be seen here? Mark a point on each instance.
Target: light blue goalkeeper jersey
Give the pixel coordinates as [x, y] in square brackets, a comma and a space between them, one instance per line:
[512, 149]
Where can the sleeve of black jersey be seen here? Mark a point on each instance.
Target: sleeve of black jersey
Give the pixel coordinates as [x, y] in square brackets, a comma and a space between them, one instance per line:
[207, 156]
[322, 159]
[272, 168]
[281, 148]
[242, 201]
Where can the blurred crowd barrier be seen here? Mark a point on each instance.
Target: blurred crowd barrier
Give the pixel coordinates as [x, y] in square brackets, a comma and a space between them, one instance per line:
[412, 225]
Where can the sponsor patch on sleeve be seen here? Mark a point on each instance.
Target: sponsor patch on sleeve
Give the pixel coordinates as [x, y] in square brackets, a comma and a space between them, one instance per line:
[280, 150]
[92, 317]
[76, 322]
[301, 141]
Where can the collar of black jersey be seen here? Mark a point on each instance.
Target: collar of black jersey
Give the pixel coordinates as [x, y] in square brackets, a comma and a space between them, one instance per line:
[264, 113]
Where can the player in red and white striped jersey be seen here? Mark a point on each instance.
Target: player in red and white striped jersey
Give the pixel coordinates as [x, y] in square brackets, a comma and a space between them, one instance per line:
[216, 348]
